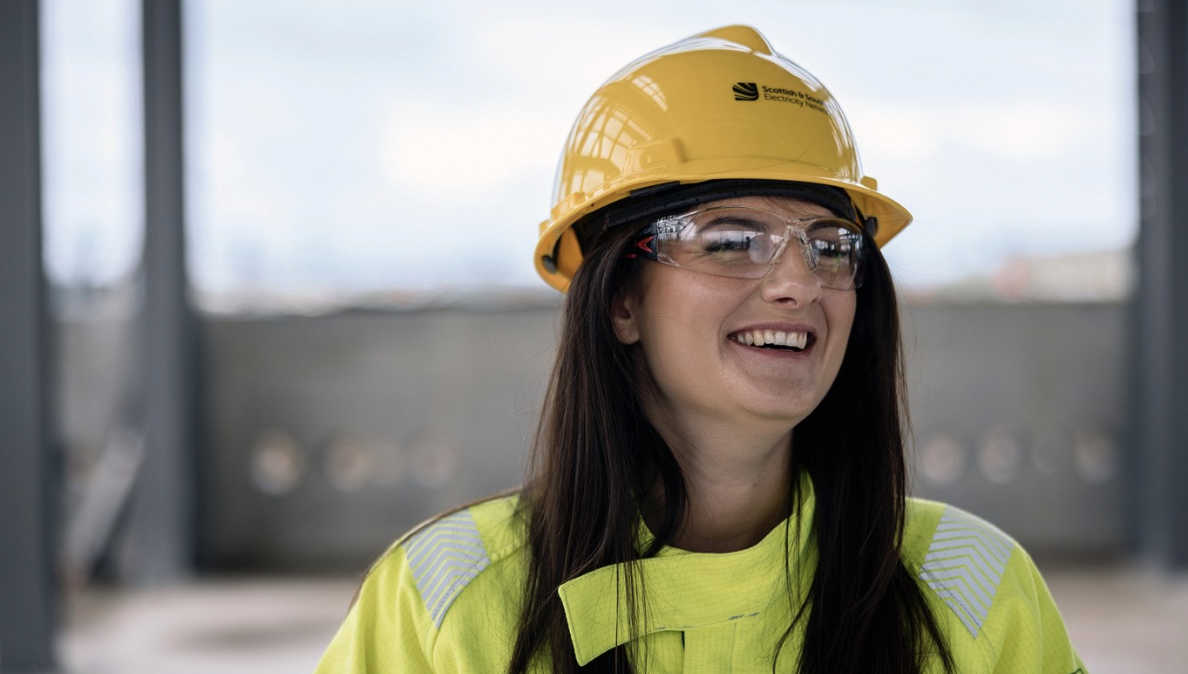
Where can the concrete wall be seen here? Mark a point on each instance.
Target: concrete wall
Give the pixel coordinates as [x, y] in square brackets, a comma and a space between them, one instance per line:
[327, 437]
[1017, 412]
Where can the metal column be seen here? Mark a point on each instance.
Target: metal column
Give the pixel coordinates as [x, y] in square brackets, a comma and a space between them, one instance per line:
[27, 596]
[1159, 415]
[162, 529]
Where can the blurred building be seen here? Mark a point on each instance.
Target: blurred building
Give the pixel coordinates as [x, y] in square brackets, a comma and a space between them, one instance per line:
[1089, 276]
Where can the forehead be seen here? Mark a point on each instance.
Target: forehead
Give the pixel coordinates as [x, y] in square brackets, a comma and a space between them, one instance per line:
[788, 206]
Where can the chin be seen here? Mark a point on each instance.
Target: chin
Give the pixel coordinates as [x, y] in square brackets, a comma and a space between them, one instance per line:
[781, 413]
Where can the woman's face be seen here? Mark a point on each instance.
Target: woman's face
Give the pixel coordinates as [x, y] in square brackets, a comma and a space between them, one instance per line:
[691, 329]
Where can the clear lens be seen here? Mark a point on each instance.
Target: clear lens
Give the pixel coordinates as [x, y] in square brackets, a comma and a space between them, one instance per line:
[833, 250]
[744, 242]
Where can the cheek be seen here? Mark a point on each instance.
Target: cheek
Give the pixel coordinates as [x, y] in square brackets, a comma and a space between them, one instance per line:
[680, 326]
[672, 347]
[680, 305]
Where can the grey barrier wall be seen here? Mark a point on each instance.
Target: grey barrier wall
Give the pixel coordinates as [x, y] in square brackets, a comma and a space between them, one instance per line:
[329, 436]
[1017, 413]
[324, 438]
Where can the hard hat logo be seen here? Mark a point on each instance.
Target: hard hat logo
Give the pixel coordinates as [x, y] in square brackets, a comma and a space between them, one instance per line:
[655, 123]
[782, 95]
[746, 91]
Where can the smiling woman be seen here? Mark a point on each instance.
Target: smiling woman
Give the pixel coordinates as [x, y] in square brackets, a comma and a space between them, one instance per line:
[692, 328]
[718, 481]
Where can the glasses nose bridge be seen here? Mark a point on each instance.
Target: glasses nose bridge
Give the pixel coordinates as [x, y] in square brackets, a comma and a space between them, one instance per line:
[792, 233]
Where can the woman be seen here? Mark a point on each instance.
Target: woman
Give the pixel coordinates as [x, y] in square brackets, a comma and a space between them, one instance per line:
[718, 481]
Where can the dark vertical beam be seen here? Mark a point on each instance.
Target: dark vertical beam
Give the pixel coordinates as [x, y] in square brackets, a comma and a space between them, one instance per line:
[1160, 411]
[161, 545]
[27, 596]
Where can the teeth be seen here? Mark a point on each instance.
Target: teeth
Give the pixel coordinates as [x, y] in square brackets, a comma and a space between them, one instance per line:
[795, 340]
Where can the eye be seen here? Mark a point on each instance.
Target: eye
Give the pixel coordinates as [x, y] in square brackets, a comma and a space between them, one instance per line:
[727, 240]
[727, 231]
[833, 248]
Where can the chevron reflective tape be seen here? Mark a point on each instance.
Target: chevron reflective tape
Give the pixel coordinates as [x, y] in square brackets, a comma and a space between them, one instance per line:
[964, 566]
[444, 557]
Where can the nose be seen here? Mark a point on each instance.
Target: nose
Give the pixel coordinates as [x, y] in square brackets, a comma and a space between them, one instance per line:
[789, 281]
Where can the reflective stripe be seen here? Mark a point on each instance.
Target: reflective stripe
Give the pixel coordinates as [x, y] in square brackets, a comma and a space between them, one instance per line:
[444, 557]
[964, 566]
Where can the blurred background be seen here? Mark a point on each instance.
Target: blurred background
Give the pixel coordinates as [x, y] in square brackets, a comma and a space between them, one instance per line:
[266, 298]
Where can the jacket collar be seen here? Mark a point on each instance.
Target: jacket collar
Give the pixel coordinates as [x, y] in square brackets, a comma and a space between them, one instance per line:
[687, 590]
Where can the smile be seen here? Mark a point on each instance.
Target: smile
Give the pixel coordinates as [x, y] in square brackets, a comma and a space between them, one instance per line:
[773, 339]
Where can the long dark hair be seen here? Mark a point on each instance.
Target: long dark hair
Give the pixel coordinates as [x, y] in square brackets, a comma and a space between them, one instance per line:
[596, 459]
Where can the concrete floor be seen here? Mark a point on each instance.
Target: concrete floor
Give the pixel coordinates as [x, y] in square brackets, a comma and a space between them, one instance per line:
[1123, 620]
[210, 626]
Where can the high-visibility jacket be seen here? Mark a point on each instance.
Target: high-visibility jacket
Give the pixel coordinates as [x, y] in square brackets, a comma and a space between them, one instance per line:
[447, 599]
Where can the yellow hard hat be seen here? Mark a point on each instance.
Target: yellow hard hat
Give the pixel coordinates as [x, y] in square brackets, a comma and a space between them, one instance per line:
[718, 106]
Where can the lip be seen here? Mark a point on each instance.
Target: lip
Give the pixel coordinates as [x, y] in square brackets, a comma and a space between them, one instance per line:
[776, 326]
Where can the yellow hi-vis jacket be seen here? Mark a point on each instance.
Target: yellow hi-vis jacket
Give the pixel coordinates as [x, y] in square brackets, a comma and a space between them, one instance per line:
[447, 599]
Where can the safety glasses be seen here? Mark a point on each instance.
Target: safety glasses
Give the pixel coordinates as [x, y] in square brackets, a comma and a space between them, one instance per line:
[746, 242]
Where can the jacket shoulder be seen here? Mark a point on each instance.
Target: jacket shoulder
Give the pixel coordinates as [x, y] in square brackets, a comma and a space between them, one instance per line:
[961, 558]
[410, 594]
[447, 554]
[984, 584]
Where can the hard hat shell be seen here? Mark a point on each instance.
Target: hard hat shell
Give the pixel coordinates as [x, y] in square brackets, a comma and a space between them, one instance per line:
[719, 105]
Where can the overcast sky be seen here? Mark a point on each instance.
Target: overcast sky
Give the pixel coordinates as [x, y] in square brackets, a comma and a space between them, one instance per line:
[364, 145]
